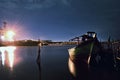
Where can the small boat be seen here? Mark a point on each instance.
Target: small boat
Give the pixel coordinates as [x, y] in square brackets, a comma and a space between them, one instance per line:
[87, 44]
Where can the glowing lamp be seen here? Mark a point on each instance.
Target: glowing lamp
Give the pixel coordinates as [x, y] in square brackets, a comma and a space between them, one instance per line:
[9, 35]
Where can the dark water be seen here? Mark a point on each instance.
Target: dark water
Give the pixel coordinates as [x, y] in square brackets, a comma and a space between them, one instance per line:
[22, 64]
[53, 63]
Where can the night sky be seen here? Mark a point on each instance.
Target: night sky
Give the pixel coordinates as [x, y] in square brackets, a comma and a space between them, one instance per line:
[60, 20]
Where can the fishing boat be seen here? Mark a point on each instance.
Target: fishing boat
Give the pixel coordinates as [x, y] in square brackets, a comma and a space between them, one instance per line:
[87, 44]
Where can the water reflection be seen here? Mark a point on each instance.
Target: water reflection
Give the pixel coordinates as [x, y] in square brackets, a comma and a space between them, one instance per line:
[38, 61]
[79, 70]
[2, 50]
[7, 55]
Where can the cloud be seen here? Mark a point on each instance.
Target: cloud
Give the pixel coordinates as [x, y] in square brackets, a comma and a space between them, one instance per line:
[67, 2]
[32, 4]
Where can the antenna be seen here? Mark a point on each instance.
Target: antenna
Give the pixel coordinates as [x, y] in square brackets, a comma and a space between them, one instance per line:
[4, 24]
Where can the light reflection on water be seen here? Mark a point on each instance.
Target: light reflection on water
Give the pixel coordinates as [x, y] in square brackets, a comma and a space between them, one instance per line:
[52, 64]
[7, 55]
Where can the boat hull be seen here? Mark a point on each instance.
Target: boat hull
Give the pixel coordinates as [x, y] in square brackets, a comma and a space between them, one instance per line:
[81, 53]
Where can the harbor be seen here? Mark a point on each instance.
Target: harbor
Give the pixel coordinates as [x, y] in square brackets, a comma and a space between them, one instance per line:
[81, 58]
[59, 40]
[54, 64]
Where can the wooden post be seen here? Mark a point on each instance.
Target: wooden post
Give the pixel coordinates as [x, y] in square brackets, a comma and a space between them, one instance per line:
[39, 60]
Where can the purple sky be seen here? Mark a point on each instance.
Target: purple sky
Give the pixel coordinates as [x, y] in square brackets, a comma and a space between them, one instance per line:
[60, 20]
